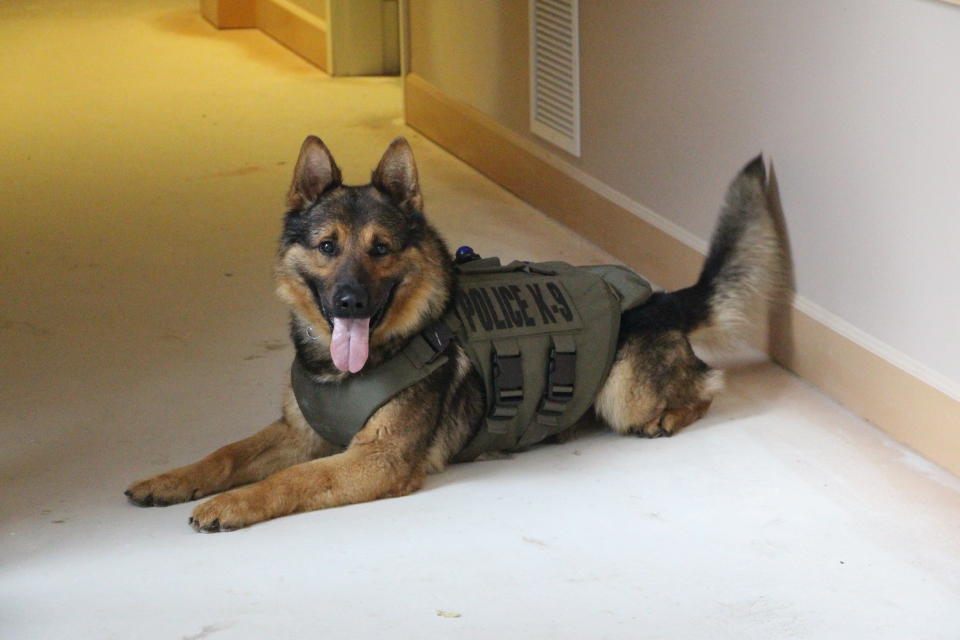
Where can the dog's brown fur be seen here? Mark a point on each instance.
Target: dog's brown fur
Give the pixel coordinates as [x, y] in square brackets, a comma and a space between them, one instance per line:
[381, 241]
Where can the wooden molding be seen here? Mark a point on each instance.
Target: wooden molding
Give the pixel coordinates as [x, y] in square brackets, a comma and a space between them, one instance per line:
[803, 338]
[229, 14]
[361, 44]
[298, 30]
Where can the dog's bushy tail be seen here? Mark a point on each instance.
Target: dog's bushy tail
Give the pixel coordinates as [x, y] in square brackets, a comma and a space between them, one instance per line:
[745, 266]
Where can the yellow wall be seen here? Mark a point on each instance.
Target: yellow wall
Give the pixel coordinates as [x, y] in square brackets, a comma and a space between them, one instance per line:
[316, 7]
[476, 51]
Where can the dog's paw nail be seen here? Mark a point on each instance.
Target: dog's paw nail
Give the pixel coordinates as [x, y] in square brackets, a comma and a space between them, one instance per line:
[212, 527]
[128, 493]
[190, 520]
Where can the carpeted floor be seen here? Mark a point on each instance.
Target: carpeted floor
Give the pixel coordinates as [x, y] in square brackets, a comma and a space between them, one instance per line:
[143, 161]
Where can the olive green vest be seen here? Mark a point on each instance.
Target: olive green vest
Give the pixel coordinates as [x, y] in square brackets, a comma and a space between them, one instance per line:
[542, 336]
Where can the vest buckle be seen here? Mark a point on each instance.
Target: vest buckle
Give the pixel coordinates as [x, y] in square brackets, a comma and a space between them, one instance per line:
[561, 375]
[507, 381]
[438, 336]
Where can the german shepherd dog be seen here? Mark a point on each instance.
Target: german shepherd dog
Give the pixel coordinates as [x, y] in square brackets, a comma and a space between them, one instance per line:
[364, 272]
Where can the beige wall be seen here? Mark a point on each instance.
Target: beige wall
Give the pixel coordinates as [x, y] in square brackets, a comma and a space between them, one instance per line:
[476, 51]
[856, 101]
[316, 7]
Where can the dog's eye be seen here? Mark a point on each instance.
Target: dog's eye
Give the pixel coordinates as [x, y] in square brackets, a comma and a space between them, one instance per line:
[328, 247]
[380, 249]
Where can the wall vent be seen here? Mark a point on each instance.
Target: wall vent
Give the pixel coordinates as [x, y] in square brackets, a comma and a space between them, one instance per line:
[555, 72]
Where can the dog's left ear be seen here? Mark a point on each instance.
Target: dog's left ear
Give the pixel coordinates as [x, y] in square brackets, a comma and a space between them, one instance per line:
[396, 175]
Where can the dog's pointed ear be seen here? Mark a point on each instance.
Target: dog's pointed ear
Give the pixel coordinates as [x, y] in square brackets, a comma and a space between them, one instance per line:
[396, 175]
[315, 173]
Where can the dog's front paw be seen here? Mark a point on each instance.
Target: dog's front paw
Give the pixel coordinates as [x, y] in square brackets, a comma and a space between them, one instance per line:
[162, 490]
[227, 512]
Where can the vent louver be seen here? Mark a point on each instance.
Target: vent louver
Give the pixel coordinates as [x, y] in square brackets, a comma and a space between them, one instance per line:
[555, 72]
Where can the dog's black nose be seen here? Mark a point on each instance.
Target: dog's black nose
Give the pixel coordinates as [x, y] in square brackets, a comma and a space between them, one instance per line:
[350, 301]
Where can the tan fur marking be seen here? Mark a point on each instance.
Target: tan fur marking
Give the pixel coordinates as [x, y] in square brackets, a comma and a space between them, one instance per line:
[631, 402]
[624, 401]
[293, 290]
[406, 312]
[673, 420]
[377, 464]
[335, 231]
[443, 449]
[421, 293]
[275, 447]
[298, 295]
[370, 234]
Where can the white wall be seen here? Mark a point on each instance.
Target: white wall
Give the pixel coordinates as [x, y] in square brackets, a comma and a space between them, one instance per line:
[856, 101]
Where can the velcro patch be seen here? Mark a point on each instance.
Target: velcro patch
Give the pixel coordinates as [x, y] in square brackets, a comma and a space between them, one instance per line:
[535, 305]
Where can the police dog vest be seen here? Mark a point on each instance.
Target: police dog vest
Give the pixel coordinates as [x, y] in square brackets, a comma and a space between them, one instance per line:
[542, 336]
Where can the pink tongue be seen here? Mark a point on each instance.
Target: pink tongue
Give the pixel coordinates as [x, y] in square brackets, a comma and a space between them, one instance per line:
[350, 343]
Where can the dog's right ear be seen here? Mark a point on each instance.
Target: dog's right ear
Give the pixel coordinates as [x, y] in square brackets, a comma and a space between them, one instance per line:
[396, 176]
[315, 173]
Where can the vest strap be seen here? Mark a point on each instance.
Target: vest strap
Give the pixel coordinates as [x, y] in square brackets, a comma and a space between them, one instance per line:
[507, 384]
[562, 369]
[438, 336]
[561, 376]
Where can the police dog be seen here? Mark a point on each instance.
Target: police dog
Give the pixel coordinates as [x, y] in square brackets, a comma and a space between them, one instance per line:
[364, 272]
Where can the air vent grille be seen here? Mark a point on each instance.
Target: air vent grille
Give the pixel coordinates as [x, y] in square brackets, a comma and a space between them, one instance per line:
[555, 72]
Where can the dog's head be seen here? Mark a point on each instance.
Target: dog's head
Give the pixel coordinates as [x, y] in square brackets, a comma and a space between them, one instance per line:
[359, 265]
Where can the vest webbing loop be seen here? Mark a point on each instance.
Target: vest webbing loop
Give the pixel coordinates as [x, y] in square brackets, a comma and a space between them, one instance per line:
[507, 383]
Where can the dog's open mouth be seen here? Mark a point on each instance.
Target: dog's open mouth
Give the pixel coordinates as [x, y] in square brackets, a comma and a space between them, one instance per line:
[350, 337]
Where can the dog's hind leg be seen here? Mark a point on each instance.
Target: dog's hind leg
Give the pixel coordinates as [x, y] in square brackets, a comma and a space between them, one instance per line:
[286, 442]
[656, 386]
